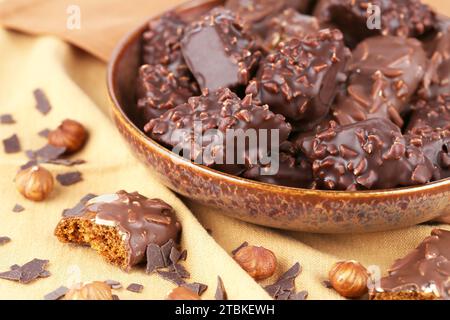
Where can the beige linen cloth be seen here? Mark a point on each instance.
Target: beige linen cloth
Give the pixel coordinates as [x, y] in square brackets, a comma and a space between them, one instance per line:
[75, 84]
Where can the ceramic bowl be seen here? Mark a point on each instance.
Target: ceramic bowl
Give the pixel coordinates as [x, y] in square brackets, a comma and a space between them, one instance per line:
[269, 205]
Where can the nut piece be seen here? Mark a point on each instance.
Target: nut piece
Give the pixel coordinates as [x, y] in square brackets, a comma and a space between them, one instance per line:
[182, 293]
[349, 278]
[34, 183]
[96, 290]
[260, 263]
[69, 134]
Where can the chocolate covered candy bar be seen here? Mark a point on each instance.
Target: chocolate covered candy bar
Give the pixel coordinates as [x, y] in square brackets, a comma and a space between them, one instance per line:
[384, 73]
[160, 90]
[424, 274]
[188, 127]
[120, 226]
[370, 154]
[219, 51]
[301, 80]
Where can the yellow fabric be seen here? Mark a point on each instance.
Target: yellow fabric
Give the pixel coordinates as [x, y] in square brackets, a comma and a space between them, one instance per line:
[75, 85]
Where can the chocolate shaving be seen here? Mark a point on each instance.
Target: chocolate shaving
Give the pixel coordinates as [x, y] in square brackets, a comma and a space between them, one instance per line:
[135, 287]
[196, 287]
[180, 270]
[115, 297]
[7, 119]
[14, 267]
[239, 248]
[44, 133]
[175, 255]
[48, 152]
[11, 144]
[4, 240]
[57, 293]
[29, 164]
[27, 273]
[70, 178]
[155, 259]
[327, 284]
[284, 287]
[18, 208]
[42, 103]
[302, 295]
[221, 294]
[113, 284]
[165, 251]
[79, 207]
[172, 276]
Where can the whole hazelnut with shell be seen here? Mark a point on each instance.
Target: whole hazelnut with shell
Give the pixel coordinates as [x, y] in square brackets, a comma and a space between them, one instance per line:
[259, 262]
[70, 134]
[349, 278]
[34, 183]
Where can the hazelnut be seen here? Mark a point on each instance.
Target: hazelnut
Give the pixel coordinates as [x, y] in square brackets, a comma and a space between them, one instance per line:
[182, 293]
[260, 263]
[349, 278]
[34, 183]
[96, 290]
[69, 134]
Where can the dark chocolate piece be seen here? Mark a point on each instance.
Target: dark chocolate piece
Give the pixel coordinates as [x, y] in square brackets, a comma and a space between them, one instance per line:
[161, 44]
[405, 18]
[292, 172]
[327, 284]
[42, 103]
[115, 297]
[155, 259]
[160, 90]
[69, 178]
[384, 73]
[57, 293]
[218, 51]
[288, 25]
[243, 245]
[175, 255]
[7, 119]
[171, 276]
[135, 287]
[27, 273]
[11, 144]
[302, 295]
[114, 284]
[371, 154]
[47, 152]
[219, 110]
[284, 287]
[166, 248]
[78, 209]
[128, 221]
[435, 144]
[4, 240]
[44, 133]
[221, 293]
[300, 81]
[423, 274]
[196, 287]
[18, 208]
[29, 164]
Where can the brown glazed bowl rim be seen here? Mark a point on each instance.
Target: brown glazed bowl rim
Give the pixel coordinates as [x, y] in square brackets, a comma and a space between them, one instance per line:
[118, 110]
